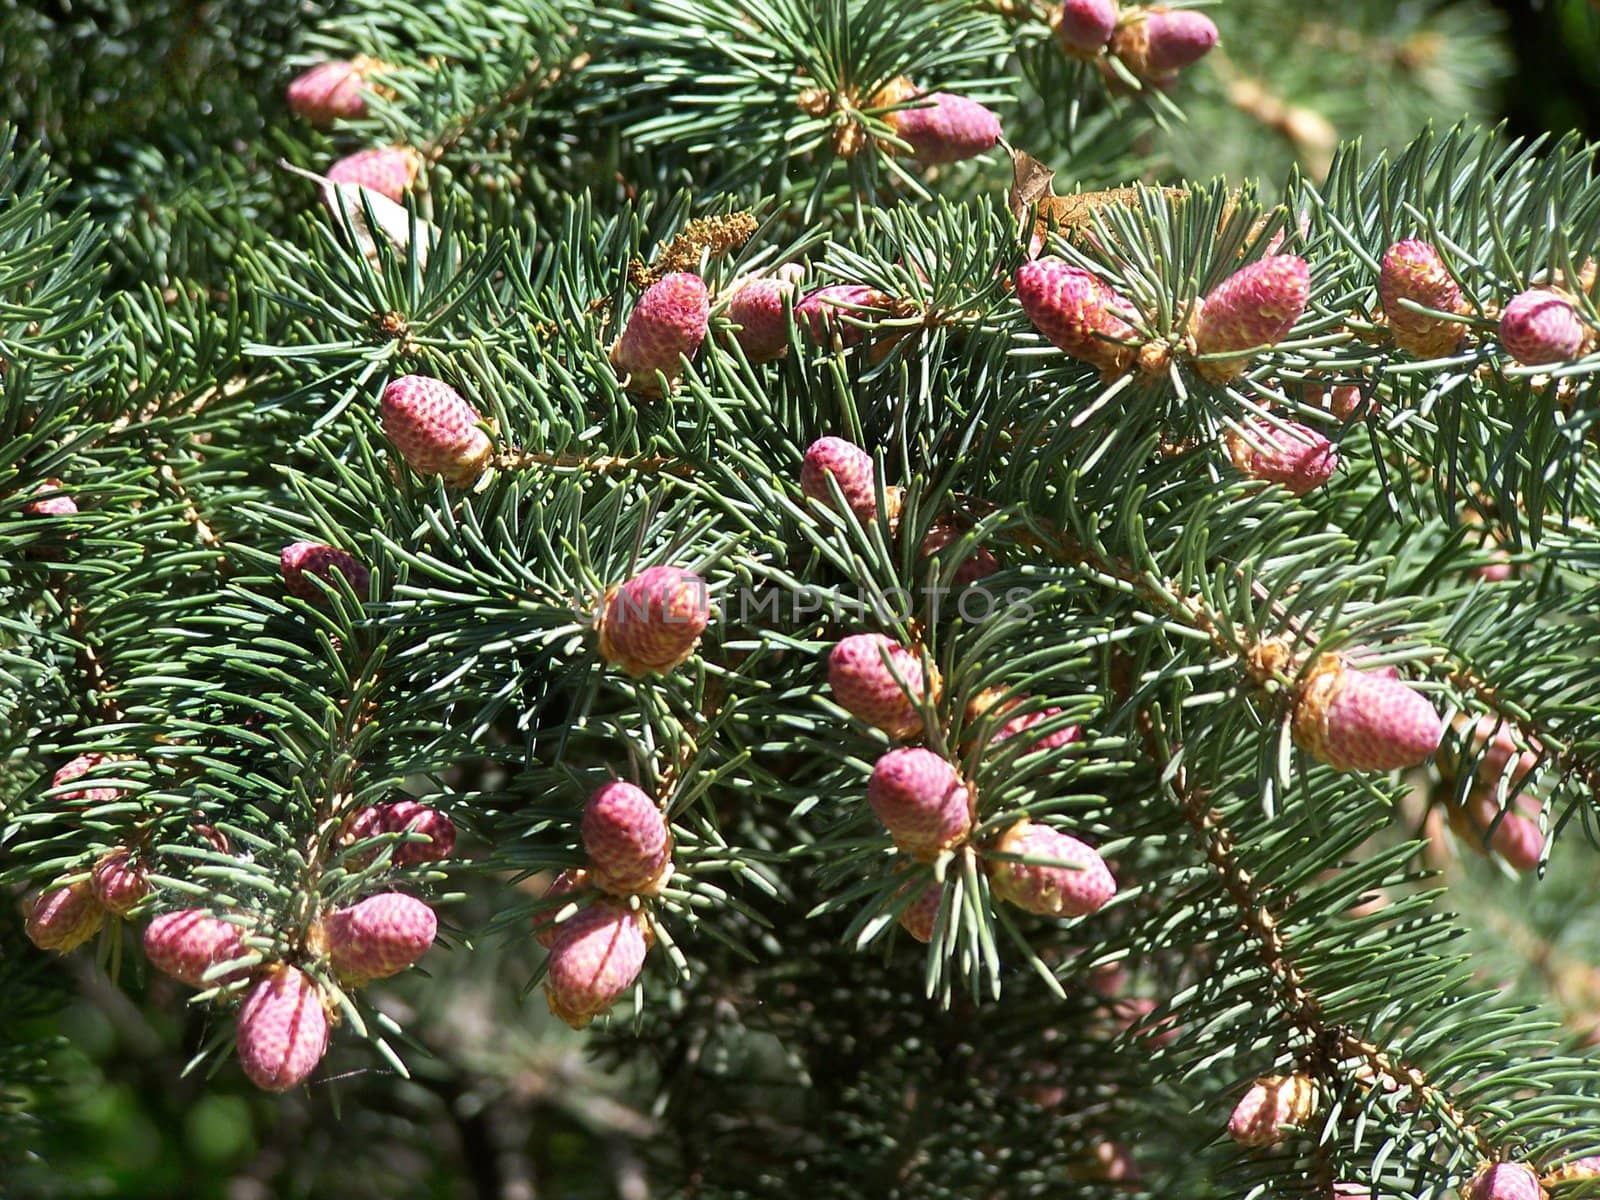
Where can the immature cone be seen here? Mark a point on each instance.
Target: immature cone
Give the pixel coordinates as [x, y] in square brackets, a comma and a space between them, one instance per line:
[64, 917]
[53, 501]
[1270, 1107]
[1504, 1181]
[1357, 720]
[668, 322]
[626, 838]
[1499, 749]
[921, 801]
[1021, 724]
[301, 559]
[950, 129]
[851, 468]
[388, 170]
[1540, 327]
[1251, 309]
[654, 621]
[328, 92]
[1412, 270]
[1077, 313]
[435, 430]
[379, 937]
[545, 928]
[187, 943]
[1289, 454]
[1081, 885]
[1161, 43]
[283, 1030]
[596, 957]
[833, 310]
[920, 916]
[1516, 837]
[866, 687]
[79, 766]
[979, 563]
[757, 309]
[410, 816]
[119, 882]
[1346, 401]
[1083, 27]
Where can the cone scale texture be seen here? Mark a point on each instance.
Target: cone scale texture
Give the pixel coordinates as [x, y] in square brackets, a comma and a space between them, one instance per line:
[187, 943]
[596, 957]
[1082, 884]
[435, 430]
[865, 685]
[1077, 313]
[625, 836]
[1253, 308]
[1412, 270]
[921, 801]
[379, 937]
[64, 917]
[653, 622]
[283, 1030]
[1271, 1106]
[1357, 720]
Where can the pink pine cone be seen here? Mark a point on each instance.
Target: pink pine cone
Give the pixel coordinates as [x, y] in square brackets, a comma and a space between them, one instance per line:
[388, 170]
[835, 309]
[980, 563]
[1347, 401]
[1270, 1107]
[626, 838]
[1024, 722]
[596, 957]
[949, 130]
[411, 816]
[53, 501]
[1363, 720]
[80, 766]
[654, 621]
[1085, 25]
[1504, 1181]
[921, 916]
[435, 430]
[921, 801]
[668, 322]
[1158, 43]
[1541, 327]
[327, 92]
[187, 943]
[865, 687]
[1177, 39]
[757, 309]
[380, 937]
[1077, 313]
[1516, 838]
[64, 917]
[1289, 454]
[851, 468]
[283, 1030]
[1080, 886]
[545, 927]
[301, 559]
[1412, 270]
[1501, 751]
[119, 882]
[1254, 307]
